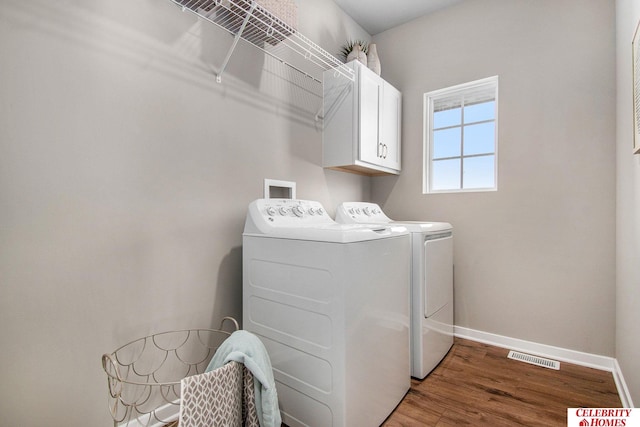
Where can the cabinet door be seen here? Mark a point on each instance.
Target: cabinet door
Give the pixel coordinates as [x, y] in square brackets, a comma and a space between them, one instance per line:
[370, 98]
[390, 127]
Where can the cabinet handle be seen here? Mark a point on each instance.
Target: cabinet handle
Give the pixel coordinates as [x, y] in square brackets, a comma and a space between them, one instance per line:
[382, 150]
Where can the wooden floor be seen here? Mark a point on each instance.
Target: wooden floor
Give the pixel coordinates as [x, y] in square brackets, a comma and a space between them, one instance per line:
[477, 385]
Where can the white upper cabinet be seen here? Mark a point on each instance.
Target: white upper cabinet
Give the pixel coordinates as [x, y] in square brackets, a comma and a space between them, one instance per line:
[361, 123]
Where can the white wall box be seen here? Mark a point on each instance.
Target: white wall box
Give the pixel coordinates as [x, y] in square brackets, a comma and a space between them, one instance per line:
[361, 123]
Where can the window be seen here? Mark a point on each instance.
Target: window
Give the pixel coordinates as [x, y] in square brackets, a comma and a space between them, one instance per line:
[460, 138]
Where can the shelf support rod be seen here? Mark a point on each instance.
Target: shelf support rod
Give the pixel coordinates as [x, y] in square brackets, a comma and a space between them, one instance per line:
[235, 42]
[343, 93]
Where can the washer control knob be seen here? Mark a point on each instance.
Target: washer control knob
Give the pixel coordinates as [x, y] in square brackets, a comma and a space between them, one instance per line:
[320, 211]
[271, 211]
[351, 211]
[358, 211]
[282, 210]
[298, 211]
[311, 211]
[366, 211]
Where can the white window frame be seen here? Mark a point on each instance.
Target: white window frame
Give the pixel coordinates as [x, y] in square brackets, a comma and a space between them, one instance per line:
[428, 134]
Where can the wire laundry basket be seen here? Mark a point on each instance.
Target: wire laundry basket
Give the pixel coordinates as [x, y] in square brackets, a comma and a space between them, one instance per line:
[144, 375]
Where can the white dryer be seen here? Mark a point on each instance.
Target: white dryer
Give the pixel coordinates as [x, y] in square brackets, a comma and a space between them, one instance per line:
[329, 302]
[431, 282]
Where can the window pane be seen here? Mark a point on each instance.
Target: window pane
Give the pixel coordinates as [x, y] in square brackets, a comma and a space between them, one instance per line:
[446, 143]
[446, 174]
[479, 172]
[445, 118]
[479, 112]
[479, 139]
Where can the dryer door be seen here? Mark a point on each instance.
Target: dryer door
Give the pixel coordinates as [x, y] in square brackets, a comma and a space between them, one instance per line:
[438, 272]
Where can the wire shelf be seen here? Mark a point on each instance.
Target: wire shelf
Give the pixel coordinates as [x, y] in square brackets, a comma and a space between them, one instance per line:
[249, 21]
[144, 375]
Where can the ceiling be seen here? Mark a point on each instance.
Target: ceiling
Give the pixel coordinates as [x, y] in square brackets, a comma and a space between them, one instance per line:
[376, 16]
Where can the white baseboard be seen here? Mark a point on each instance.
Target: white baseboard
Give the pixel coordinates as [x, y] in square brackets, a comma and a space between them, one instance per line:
[595, 361]
[623, 391]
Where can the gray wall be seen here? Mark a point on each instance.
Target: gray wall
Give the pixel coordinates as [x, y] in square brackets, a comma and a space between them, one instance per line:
[534, 260]
[125, 173]
[628, 208]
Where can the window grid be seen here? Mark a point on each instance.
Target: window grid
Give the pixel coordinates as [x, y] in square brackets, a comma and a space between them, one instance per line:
[491, 84]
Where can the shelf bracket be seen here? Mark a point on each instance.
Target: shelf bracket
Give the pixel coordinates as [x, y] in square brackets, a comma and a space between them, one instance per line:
[235, 42]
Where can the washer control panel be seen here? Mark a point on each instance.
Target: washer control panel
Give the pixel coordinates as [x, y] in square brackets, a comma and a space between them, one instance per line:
[291, 208]
[360, 213]
[289, 213]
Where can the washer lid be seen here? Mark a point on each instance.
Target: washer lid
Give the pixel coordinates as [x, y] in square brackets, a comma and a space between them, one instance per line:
[307, 220]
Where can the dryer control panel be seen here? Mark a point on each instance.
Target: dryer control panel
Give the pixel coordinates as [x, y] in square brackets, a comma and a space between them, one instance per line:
[361, 213]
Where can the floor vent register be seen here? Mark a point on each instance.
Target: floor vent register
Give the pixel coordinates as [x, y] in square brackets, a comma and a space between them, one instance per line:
[534, 360]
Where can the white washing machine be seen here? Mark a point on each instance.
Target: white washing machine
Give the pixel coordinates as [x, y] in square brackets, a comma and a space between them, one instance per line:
[431, 282]
[330, 303]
